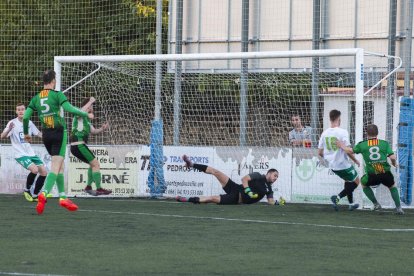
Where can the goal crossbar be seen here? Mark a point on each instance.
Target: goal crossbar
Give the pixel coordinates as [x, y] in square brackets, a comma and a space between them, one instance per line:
[210, 56]
[357, 52]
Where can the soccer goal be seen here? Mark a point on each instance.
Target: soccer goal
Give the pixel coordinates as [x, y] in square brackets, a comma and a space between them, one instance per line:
[232, 111]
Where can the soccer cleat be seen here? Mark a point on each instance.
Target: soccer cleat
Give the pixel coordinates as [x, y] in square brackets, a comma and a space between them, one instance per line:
[399, 211]
[377, 207]
[181, 199]
[335, 201]
[187, 161]
[40, 207]
[88, 190]
[28, 196]
[49, 195]
[353, 207]
[102, 191]
[68, 204]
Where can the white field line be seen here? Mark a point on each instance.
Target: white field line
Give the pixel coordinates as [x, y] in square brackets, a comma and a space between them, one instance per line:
[254, 221]
[28, 274]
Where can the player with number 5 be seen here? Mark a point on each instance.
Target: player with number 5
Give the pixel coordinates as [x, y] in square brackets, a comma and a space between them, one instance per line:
[338, 159]
[48, 104]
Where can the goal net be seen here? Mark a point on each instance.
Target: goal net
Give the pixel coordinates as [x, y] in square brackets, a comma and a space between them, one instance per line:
[232, 111]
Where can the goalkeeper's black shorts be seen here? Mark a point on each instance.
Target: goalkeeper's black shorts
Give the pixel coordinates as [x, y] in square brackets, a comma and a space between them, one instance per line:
[232, 193]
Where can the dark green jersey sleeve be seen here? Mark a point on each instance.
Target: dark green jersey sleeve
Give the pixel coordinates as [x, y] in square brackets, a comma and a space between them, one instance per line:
[61, 98]
[74, 110]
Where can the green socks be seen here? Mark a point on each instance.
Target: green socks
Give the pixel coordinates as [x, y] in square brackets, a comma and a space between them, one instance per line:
[90, 177]
[94, 177]
[60, 182]
[370, 194]
[97, 179]
[50, 181]
[395, 196]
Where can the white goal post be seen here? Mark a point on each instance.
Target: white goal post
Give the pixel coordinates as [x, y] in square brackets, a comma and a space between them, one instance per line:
[211, 80]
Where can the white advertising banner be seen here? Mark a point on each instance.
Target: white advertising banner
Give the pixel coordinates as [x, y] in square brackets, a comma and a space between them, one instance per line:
[119, 169]
[237, 162]
[179, 180]
[312, 181]
[125, 170]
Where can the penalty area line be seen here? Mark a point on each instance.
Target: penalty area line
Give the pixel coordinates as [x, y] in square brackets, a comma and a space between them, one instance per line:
[253, 221]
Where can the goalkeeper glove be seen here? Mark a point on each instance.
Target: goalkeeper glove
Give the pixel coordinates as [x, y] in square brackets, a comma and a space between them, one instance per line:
[281, 201]
[249, 192]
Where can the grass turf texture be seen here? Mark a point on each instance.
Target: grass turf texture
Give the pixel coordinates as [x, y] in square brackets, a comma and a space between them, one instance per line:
[154, 237]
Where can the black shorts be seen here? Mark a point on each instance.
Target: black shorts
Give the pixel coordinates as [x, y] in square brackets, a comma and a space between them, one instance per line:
[232, 193]
[55, 141]
[82, 152]
[375, 179]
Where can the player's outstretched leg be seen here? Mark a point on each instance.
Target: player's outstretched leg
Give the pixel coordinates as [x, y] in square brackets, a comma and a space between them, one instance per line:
[221, 177]
[195, 200]
[198, 200]
[336, 198]
[349, 188]
[335, 201]
[370, 195]
[187, 161]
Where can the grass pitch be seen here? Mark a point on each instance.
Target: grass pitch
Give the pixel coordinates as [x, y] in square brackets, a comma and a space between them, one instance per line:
[155, 237]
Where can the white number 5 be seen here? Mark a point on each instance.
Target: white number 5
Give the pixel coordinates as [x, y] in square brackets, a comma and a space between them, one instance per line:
[45, 105]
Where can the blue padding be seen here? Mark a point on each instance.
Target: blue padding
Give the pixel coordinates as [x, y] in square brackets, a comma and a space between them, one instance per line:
[156, 182]
[405, 148]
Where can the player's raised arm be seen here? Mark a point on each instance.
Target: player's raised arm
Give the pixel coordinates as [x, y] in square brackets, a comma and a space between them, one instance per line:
[88, 104]
[7, 130]
[74, 110]
[99, 130]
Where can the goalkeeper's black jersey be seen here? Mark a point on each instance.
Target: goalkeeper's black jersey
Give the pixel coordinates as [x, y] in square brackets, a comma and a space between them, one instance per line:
[258, 185]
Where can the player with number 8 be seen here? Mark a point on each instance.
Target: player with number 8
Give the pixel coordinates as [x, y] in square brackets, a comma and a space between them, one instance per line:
[377, 169]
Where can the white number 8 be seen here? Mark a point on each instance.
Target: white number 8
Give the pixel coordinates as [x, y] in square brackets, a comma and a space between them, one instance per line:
[374, 153]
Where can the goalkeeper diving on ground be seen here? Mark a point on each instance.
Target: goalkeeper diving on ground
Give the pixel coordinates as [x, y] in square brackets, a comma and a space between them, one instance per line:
[253, 188]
